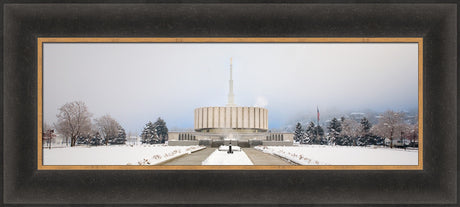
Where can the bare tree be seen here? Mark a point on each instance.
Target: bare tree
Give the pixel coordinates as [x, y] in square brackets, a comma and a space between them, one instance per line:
[390, 125]
[46, 126]
[47, 134]
[412, 134]
[108, 127]
[73, 120]
[350, 128]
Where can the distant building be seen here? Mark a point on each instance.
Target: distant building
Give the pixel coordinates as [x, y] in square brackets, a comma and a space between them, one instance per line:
[133, 140]
[357, 116]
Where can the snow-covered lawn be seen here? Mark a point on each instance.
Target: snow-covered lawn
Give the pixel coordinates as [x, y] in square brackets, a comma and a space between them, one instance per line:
[222, 158]
[114, 155]
[343, 155]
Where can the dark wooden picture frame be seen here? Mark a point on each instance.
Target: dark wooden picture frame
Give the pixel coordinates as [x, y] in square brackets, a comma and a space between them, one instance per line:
[23, 183]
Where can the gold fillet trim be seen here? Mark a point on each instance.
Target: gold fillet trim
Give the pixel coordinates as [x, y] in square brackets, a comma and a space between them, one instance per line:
[42, 40]
[40, 103]
[420, 103]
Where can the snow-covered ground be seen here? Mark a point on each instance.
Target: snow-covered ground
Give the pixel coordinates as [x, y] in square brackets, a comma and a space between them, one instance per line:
[222, 158]
[114, 155]
[343, 155]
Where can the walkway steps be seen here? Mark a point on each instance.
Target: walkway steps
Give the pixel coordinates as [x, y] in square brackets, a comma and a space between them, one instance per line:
[192, 159]
[257, 157]
[260, 158]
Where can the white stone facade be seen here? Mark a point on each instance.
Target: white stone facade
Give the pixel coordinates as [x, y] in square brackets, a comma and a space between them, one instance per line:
[249, 119]
[263, 136]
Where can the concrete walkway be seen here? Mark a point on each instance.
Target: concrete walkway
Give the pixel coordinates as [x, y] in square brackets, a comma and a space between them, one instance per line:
[192, 159]
[259, 158]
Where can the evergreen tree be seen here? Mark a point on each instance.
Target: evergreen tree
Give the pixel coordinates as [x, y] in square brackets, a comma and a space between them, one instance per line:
[83, 139]
[148, 135]
[298, 133]
[315, 134]
[96, 139]
[120, 138]
[365, 137]
[305, 138]
[365, 126]
[310, 132]
[334, 128]
[161, 130]
[320, 139]
[155, 133]
[342, 140]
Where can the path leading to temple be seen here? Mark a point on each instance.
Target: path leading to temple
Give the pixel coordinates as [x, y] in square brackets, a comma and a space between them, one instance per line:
[260, 158]
[257, 157]
[191, 159]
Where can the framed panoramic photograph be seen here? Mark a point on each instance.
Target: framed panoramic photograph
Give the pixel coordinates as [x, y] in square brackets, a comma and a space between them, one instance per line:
[170, 103]
[229, 103]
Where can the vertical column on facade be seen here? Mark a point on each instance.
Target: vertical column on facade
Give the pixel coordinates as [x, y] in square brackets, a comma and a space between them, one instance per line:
[216, 117]
[256, 118]
[228, 114]
[200, 118]
[245, 117]
[234, 119]
[196, 118]
[205, 117]
[239, 124]
[210, 117]
[251, 117]
[222, 117]
[262, 118]
[266, 119]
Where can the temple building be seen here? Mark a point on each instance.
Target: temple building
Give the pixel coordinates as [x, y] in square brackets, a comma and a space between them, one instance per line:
[240, 125]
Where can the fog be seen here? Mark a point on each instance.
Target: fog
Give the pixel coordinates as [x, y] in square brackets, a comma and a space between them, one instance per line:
[139, 82]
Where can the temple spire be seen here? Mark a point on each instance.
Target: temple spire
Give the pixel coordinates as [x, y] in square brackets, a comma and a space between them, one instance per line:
[231, 96]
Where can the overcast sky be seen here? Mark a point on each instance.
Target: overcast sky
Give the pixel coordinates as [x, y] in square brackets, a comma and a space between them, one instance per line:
[139, 82]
